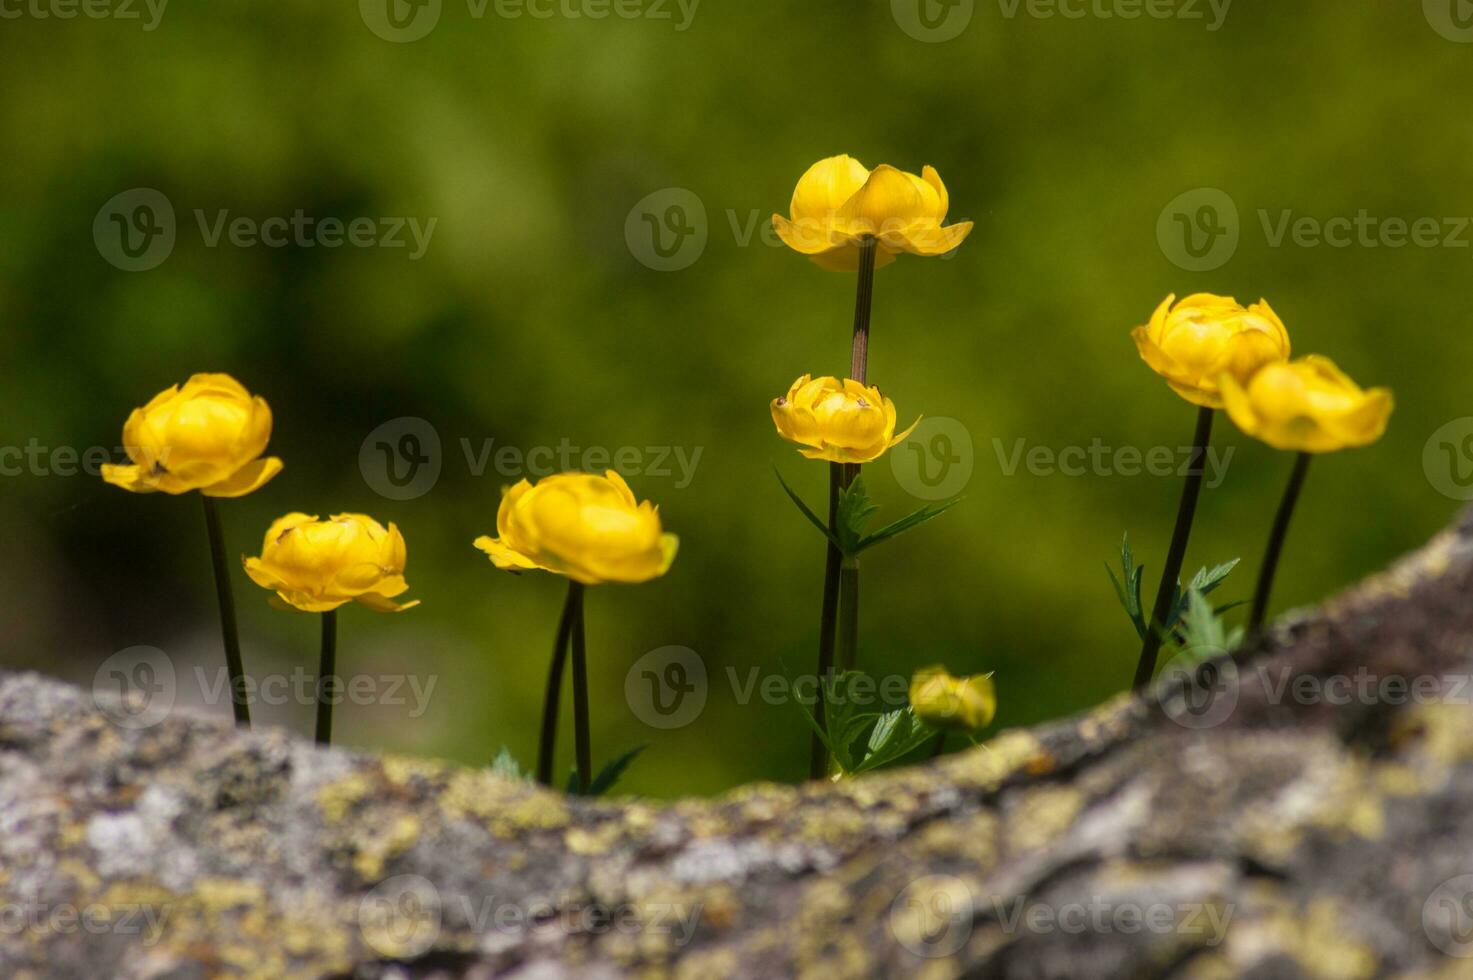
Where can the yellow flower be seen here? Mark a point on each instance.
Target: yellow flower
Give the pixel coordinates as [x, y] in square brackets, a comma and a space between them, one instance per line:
[317, 566]
[587, 527]
[943, 701]
[206, 436]
[1307, 406]
[838, 203]
[843, 422]
[1205, 336]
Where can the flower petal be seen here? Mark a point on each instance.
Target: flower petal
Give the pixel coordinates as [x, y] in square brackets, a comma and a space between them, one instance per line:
[249, 478]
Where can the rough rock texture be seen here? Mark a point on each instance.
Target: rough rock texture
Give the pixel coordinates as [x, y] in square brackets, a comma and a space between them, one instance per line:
[1261, 830]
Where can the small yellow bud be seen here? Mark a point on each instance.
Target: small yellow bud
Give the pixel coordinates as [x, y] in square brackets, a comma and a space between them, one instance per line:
[943, 701]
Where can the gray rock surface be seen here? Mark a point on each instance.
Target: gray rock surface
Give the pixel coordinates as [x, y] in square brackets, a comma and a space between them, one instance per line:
[1305, 810]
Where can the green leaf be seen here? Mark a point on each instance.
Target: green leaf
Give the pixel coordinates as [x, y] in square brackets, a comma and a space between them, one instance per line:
[506, 765]
[855, 511]
[1204, 582]
[605, 778]
[896, 734]
[609, 774]
[1203, 634]
[812, 517]
[916, 519]
[1128, 586]
[846, 721]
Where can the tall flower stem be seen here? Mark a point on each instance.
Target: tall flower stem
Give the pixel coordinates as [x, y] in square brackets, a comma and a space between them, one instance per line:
[864, 299]
[849, 614]
[1171, 572]
[228, 627]
[581, 744]
[547, 742]
[1276, 544]
[818, 754]
[327, 666]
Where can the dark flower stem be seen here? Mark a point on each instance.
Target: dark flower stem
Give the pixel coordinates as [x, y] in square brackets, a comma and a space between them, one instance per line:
[818, 754]
[581, 745]
[840, 575]
[863, 303]
[1171, 572]
[546, 745]
[939, 747]
[327, 667]
[858, 370]
[849, 614]
[1276, 544]
[233, 665]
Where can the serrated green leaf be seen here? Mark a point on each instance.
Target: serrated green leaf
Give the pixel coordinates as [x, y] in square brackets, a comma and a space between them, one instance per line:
[505, 764]
[854, 513]
[917, 518]
[1128, 586]
[896, 734]
[812, 517]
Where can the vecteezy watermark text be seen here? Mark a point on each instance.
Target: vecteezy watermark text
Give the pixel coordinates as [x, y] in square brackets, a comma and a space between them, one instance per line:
[1098, 459]
[403, 459]
[403, 21]
[149, 12]
[136, 230]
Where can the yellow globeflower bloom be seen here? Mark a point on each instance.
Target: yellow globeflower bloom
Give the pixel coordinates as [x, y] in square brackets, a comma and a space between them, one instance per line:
[1307, 406]
[842, 422]
[1206, 336]
[587, 527]
[206, 436]
[943, 701]
[838, 203]
[317, 566]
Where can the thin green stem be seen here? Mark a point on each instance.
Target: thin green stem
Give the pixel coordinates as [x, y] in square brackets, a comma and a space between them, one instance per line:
[1276, 544]
[233, 665]
[581, 741]
[863, 304]
[1171, 572]
[818, 753]
[547, 743]
[939, 747]
[849, 614]
[327, 668]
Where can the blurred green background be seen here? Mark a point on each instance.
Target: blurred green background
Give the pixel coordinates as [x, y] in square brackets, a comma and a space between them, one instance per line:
[533, 318]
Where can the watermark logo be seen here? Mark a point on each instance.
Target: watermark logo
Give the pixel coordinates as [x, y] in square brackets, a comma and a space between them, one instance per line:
[667, 688]
[135, 231]
[400, 21]
[935, 462]
[400, 918]
[933, 21]
[1199, 230]
[933, 916]
[401, 459]
[1447, 916]
[1199, 687]
[1447, 459]
[135, 688]
[667, 231]
[1453, 19]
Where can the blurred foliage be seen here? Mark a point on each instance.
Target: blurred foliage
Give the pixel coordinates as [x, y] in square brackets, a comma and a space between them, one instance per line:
[529, 321]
